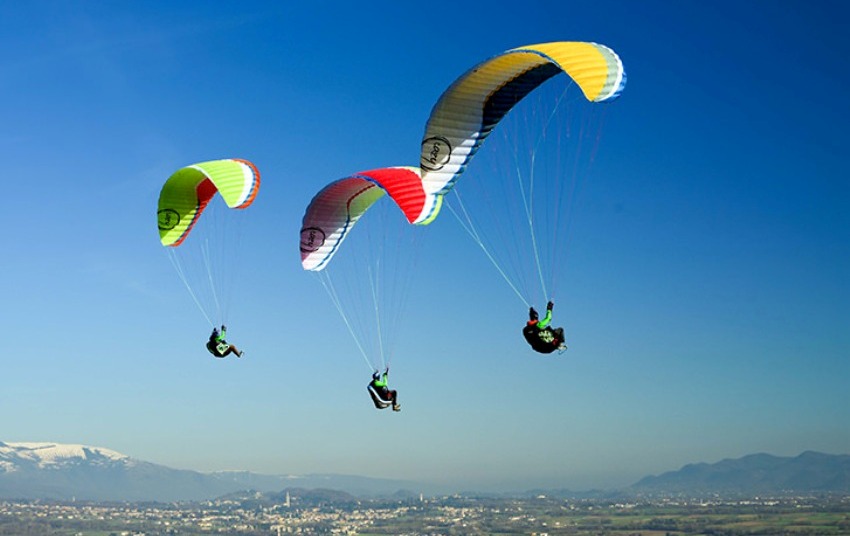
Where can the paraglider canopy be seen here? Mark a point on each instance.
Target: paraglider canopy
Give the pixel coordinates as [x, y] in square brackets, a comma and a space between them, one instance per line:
[186, 193]
[332, 213]
[516, 197]
[367, 279]
[474, 104]
[201, 234]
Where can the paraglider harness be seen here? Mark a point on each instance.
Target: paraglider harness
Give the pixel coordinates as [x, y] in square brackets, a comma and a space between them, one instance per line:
[543, 339]
[217, 346]
[379, 393]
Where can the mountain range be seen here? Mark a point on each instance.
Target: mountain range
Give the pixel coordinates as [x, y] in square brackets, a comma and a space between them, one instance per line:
[810, 472]
[64, 472]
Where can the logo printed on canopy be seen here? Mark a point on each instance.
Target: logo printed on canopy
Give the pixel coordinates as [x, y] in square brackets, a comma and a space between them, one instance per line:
[436, 151]
[312, 238]
[167, 219]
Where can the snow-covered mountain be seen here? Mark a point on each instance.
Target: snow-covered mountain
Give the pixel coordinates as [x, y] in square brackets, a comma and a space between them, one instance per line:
[62, 471]
[23, 456]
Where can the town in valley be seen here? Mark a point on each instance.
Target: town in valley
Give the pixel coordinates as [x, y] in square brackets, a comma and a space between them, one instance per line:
[318, 512]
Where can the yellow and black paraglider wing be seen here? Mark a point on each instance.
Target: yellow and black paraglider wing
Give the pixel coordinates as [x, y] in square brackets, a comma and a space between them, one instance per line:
[474, 104]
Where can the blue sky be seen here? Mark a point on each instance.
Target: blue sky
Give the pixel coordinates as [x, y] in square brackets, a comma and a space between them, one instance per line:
[708, 298]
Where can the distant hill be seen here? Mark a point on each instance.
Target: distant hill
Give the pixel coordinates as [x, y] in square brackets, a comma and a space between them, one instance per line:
[64, 472]
[359, 486]
[757, 473]
[298, 497]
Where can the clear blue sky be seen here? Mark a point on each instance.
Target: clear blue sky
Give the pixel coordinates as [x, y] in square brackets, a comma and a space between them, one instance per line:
[710, 313]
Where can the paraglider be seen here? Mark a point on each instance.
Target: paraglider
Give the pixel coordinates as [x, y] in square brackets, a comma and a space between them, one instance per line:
[202, 235]
[539, 333]
[368, 282]
[218, 346]
[382, 395]
[517, 210]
